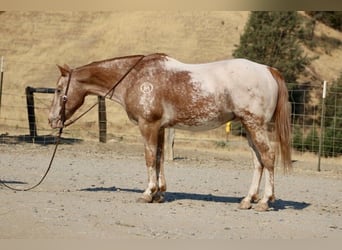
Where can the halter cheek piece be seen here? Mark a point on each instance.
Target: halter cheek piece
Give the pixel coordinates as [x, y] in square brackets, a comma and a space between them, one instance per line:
[65, 99]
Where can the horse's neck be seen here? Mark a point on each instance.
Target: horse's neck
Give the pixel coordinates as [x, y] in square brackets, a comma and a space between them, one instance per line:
[104, 78]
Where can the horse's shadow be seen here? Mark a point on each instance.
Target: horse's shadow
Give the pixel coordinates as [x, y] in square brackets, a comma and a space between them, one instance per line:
[279, 204]
[39, 139]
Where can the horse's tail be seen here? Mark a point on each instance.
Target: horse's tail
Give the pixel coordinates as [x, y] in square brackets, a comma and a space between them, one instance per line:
[282, 120]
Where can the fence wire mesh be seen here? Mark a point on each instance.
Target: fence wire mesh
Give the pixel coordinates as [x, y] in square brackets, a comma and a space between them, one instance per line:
[305, 100]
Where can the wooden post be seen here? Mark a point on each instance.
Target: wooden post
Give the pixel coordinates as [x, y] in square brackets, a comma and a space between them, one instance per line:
[30, 112]
[1, 78]
[102, 119]
[169, 141]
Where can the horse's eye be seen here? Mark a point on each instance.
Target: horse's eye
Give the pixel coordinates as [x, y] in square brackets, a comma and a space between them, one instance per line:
[58, 91]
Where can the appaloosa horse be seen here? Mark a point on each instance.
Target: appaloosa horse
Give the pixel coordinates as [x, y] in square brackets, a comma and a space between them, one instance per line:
[158, 91]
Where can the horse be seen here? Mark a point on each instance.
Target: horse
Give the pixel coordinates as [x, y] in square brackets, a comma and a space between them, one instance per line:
[158, 92]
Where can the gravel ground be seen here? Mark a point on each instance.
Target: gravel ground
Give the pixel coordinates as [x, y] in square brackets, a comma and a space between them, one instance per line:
[91, 192]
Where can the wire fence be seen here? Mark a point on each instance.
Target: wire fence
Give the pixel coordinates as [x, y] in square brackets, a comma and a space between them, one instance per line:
[317, 121]
[309, 132]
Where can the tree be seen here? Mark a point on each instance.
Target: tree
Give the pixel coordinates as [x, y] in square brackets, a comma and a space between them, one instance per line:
[272, 38]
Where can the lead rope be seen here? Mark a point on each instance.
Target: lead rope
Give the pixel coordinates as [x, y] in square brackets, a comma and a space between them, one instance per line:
[58, 138]
[2, 182]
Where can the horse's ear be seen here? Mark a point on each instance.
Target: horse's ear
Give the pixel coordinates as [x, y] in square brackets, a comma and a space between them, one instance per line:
[65, 70]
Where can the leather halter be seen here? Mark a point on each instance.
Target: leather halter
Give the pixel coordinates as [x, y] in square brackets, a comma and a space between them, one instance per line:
[65, 98]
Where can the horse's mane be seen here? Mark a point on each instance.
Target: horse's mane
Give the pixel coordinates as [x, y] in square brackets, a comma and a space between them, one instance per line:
[108, 60]
[118, 58]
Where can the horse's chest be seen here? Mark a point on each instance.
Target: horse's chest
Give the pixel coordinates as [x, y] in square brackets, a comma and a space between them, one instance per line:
[142, 102]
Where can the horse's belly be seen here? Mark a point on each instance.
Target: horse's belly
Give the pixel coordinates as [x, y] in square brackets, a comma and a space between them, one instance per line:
[202, 127]
[204, 123]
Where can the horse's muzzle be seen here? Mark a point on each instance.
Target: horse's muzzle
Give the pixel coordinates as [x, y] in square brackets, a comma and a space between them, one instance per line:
[56, 123]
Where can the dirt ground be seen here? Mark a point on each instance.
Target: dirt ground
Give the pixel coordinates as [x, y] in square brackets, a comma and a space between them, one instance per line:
[91, 192]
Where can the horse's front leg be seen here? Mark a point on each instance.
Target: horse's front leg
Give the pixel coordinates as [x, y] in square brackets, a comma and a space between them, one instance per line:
[150, 133]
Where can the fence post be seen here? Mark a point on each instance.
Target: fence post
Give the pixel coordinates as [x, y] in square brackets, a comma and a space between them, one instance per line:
[169, 142]
[30, 112]
[1, 78]
[102, 119]
[321, 138]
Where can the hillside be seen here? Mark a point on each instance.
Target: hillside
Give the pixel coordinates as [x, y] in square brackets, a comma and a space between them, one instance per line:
[39, 40]
[328, 65]
[32, 43]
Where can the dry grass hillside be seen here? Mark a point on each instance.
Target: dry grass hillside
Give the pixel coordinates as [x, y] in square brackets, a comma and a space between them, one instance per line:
[32, 43]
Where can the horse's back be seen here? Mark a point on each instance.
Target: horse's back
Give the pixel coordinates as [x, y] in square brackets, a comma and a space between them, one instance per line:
[226, 73]
[247, 84]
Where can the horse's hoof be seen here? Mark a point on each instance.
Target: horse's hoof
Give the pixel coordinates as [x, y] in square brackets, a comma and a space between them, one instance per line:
[261, 207]
[245, 205]
[158, 198]
[143, 200]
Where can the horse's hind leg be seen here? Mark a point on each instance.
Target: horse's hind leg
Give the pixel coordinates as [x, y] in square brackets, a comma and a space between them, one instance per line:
[264, 158]
[253, 193]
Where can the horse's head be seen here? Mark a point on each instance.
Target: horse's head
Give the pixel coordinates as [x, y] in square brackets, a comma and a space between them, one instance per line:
[69, 96]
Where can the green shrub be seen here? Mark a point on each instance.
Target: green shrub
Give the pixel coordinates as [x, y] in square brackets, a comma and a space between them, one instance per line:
[297, 138]
[311, 142]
